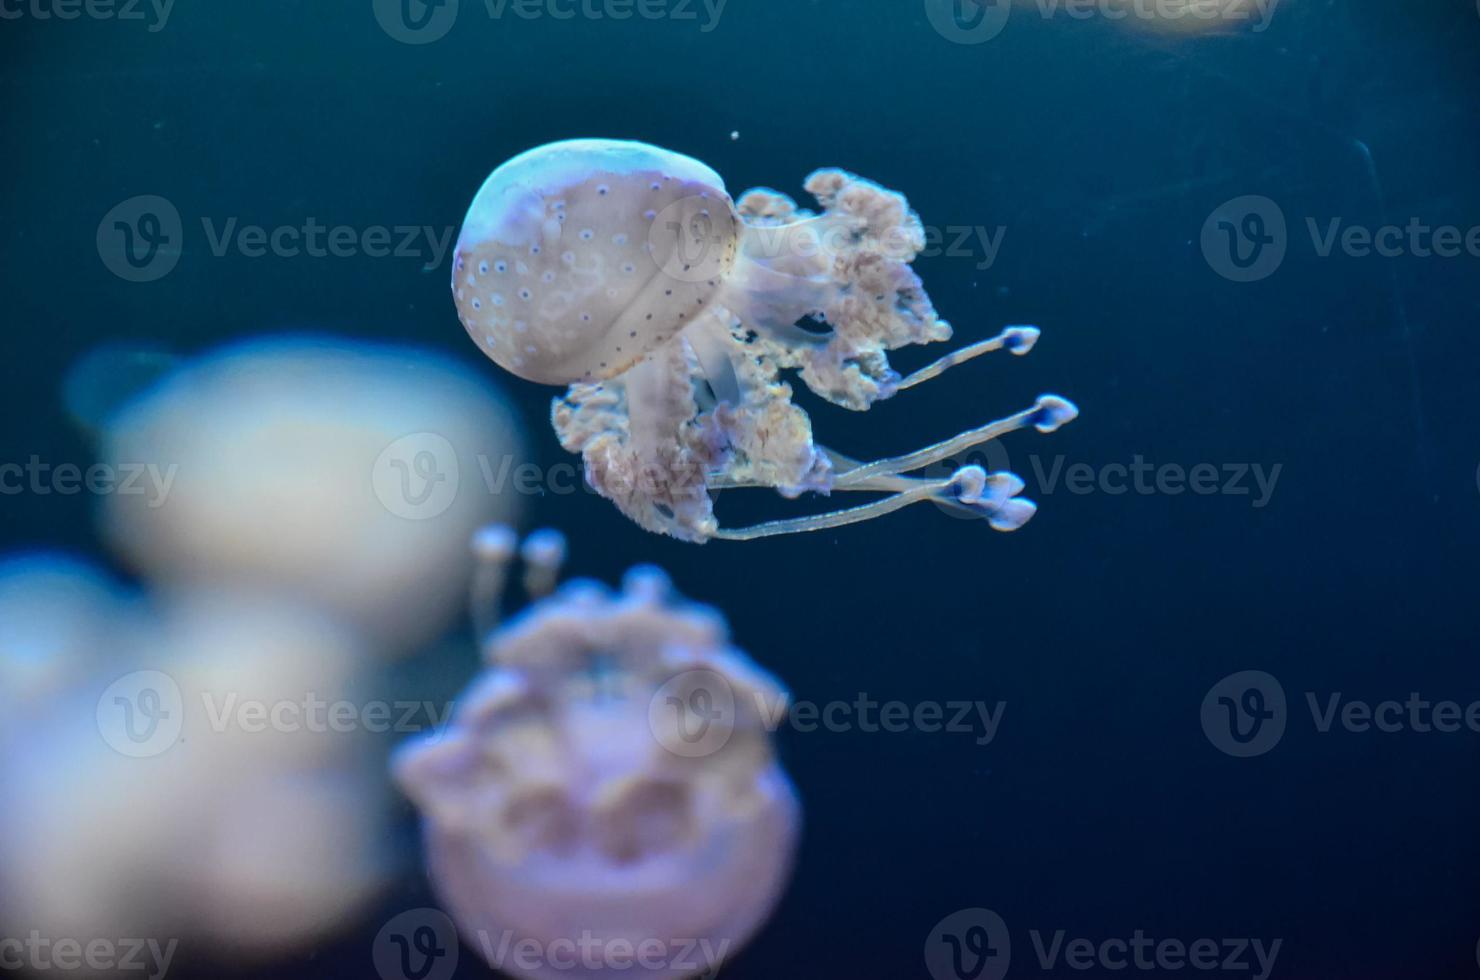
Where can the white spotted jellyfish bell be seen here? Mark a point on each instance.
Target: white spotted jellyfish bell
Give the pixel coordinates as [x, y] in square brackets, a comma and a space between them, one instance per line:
[606, 792]
[628, 273]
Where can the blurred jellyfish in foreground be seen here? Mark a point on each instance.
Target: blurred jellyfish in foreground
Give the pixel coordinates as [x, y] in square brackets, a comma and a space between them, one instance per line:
[342, 473]
[57, 613]
[627, 272]
[163, 791]
[606, 800]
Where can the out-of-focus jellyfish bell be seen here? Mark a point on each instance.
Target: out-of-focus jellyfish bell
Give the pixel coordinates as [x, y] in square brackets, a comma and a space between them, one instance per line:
[341, 473]
[607, 784]
[627, 272]
[58, 617]
[187, 786]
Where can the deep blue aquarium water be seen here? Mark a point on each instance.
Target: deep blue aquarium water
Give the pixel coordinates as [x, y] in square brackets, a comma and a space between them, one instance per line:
[1215, 710]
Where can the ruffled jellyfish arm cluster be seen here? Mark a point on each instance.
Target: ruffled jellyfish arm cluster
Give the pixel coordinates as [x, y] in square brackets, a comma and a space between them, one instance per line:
[609, 779]
[672, 312]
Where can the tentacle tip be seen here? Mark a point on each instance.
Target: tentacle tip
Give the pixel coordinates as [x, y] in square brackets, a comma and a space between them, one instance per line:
[1020, 340]
[1052, 412]
[496, 542]
[647, 582]
[544, 547]
[969, 483]
[1003, 486]
[1013, 514]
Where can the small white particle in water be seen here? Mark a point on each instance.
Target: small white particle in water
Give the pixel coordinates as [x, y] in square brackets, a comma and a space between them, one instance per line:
[734, 134]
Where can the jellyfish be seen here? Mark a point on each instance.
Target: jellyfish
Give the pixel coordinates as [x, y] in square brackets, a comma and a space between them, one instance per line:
[57, 612]
[607, 784]
[147, 797]
[670, 310]
[340, 473]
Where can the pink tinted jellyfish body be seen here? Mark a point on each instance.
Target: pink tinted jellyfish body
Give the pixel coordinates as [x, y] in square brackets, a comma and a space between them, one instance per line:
[607, 784]
[628, 273]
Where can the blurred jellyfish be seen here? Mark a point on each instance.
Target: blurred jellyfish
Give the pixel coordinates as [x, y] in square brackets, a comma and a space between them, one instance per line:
[280, 819]
[57, 616]
[1188, 17]
[607, 785]
[627, 272]
[186, 788]
[341, 473]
